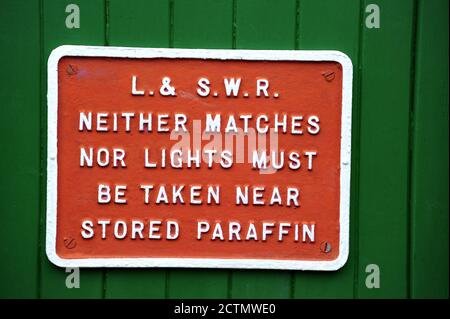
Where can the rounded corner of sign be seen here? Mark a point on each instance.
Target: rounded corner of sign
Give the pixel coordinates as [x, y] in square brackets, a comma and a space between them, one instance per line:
[343, 59]
[57, 54]
[339, 262]
[54, 258]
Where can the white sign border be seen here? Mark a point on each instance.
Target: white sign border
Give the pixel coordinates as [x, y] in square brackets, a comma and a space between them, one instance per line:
[217, 54]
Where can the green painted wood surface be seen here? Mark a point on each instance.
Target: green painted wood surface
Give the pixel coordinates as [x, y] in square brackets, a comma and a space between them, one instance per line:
[20, 94]
[399, 183]
[429, 200]
[384, 148]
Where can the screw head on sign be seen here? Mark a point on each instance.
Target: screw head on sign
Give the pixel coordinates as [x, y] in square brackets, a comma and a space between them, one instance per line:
[325, 247]
[69, 242]
[328, 75]
[72, 69]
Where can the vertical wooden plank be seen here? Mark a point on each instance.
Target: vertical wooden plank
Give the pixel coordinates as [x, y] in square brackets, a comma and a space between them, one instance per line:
[193, 27]
[19, 139]
[334, 25]
[264, 24]
[384, 150]
[255, 284]
[429, 259]
[198, 283]
[137, 23]
[135, 283]
[55, 33]
[203, 24]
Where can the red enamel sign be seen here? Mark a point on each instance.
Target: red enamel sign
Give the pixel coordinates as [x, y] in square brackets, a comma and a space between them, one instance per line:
[198, 158]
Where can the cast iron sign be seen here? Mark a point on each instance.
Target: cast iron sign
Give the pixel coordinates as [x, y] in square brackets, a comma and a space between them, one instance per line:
[198, 158]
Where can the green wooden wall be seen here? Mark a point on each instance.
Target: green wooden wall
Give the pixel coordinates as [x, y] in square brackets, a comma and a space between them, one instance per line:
[399, 190]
